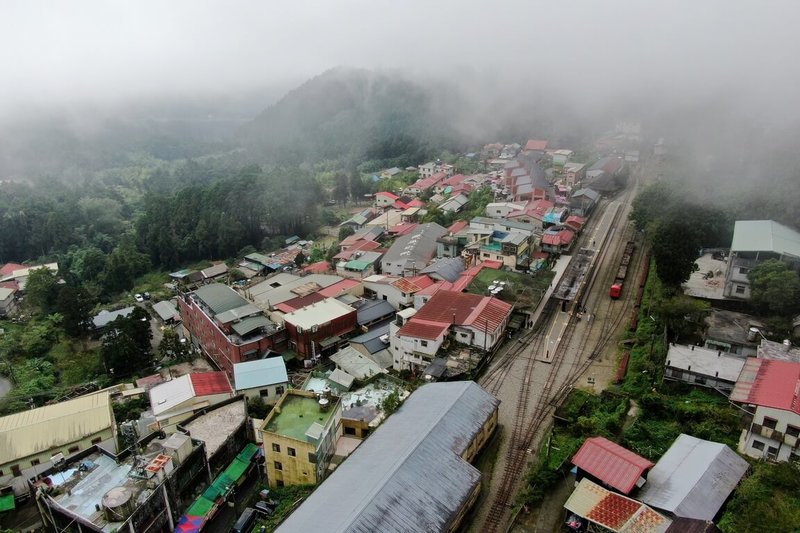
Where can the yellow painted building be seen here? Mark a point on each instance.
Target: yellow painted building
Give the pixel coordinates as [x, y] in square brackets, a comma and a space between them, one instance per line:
[29, 439]
[299, 438]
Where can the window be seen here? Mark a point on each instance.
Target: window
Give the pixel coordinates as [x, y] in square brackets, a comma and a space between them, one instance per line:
[276, 447]
[278, 466]
[74, 449]
[758, 445]
[348, 430]
[279, 390]
[96, 440]
[264, 393]
[793, 431]
[769, 422]
[312, 457]
[279, 482]
[15, 471]
[424, 343]
[772, 452]
[34, 462]
[743, 270]
[740, 289]
[291, 452]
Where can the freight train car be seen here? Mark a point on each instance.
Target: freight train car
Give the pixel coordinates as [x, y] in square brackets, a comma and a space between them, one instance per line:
[616, 287]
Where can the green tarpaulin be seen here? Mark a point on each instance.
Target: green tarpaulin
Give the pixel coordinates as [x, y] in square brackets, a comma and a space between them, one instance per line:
[236, 468]
[7, 502]
[200, 507]
[248, 452]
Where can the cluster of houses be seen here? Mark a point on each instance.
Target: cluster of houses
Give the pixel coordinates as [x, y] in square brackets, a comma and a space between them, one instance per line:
[618, 490]
[13, 278]
[396, 299]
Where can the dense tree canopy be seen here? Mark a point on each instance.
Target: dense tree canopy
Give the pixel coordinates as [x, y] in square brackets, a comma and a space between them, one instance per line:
[126, 346]
[775, 289]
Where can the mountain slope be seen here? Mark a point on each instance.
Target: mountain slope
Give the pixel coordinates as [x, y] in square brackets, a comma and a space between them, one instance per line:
[351, 113]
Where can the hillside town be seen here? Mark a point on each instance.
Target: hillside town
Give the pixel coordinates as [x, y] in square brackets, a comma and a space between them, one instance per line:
[368, 367]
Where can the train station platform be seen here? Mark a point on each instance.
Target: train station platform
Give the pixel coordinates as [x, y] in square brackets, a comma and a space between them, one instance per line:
[579, 270]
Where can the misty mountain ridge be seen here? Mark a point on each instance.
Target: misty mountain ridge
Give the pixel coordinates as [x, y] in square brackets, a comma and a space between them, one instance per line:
[356, 114]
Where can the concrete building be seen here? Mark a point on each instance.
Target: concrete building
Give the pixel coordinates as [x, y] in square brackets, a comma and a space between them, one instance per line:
[770, 390]
[29, 440]
[8, 302]
[138, 491]
[414, 473]
[176, 400]
[265, 378]
[474, 320]
[299, 437]
[503, 209]
[703, 367]
[756, 241]
[412, 252]
[732, 332]
[399, 292]
[693, 479]
[226, 327]
[318, 328]
[284, 287]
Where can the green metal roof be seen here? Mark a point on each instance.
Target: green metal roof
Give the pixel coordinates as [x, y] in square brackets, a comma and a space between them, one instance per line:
[219, 297]
[251, 324]
[7, 502]
[355, 264]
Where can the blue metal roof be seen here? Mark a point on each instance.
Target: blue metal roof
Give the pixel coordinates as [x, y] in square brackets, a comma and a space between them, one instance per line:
[260, 373]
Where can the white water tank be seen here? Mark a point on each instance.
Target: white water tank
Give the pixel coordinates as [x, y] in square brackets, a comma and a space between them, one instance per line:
[752, 334]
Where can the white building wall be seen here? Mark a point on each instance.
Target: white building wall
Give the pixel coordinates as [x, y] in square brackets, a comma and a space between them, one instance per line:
[767, 440]
[408, 352]
[390, 293]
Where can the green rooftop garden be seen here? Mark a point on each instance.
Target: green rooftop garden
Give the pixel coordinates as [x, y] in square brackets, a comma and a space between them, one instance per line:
[295, 415]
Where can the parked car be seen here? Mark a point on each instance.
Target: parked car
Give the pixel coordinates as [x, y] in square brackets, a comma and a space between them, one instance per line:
[146, 296]
[138, 297]
[263, 508]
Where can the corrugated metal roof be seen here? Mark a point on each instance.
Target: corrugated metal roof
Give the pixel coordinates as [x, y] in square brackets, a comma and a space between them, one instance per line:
[215, 270]
[165, 310]
[694, 478]
[104, 318]
[251, 324]
[765, 236]
[52, 426]
[208, 383]
[318, 313]
[219, 297]
[355, 363]
[446, 268]
[340, 377]
[408, 476]
[707, 362]
[614, 511]
[770, 383]
[373, 310]
[612, 464]
[260, 373]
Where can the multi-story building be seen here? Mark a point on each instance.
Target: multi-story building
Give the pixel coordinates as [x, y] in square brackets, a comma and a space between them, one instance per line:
[265, 379]
[756, 241]
[226, 327]
[318, 328]
[472, 319]
[770, 389]
[299, 436]
[32, 441]
[180, 398]
[413, 473]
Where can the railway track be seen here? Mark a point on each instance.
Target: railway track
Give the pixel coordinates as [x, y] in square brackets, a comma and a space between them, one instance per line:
[556, 386]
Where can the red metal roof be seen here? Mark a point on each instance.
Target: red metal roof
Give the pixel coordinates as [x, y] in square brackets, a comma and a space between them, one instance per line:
[489, 315]
[491, 263]
[769, 383]
[13, 285]
[612, 464]
[457, 226]
[403, 228]
[317, 268]
[360, 246]
[427, 183]
[290, 306]
[613, 511]
[454, 180]
[338, 288]
[206, 383]
[9, 268]
[416, 202]
[535, 144]
[423, 329]
[412, 285]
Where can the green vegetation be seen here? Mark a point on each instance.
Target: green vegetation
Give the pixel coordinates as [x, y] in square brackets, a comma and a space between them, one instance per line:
[288, 498]
[126, 348]
[391, 403]
[768, 500]
[522, 290]
[678, 229]
[775, 289]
